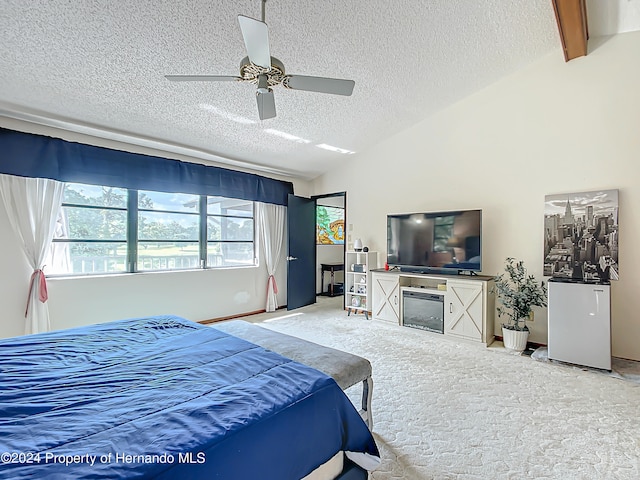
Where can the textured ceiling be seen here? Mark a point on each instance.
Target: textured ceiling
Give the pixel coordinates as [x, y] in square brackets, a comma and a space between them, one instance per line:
[101, 64]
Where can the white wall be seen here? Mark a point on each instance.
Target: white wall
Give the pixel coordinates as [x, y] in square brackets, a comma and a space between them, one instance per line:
[553, 127]
[196, 295]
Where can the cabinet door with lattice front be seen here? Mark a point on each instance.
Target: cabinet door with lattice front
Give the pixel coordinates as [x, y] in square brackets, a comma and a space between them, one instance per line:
[386, 297]
[463, 311]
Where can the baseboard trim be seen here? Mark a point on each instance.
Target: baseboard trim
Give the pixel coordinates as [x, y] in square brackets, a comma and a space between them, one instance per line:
[238, 315]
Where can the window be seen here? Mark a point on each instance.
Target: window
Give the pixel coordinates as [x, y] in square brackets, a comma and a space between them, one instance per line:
[91, 231]
[110, 230]
[229, 232]
[168, 231]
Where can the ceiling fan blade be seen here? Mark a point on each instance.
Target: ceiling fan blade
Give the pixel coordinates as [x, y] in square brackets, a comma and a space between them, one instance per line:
[266, 104]
[335, 86]
[256, 39]
[202, 78]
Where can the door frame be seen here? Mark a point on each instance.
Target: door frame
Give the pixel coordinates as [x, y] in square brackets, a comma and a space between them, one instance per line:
[346, 234]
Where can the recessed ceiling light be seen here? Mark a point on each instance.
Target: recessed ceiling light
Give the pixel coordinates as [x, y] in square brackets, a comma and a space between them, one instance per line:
[286, 135]
[225, 114]
[331, 148]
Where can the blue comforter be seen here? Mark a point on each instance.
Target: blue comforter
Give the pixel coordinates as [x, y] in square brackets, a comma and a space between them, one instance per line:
[165, 398]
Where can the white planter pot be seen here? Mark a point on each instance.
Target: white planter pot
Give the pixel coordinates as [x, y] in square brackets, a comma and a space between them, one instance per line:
[514, 340]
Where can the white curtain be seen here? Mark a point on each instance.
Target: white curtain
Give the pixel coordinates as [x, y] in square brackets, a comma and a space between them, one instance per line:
[32, 206]
[58, 259]
[271, 224]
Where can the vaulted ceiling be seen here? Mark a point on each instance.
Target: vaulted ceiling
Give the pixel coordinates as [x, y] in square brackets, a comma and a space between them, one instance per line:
[98, 67]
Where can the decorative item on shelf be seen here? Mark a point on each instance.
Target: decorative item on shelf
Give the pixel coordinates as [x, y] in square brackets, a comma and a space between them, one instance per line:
[363, 280]
[362, 289]
[517, 293]
[355, 302]
[365, 249]
[357, 245]
[358, 267]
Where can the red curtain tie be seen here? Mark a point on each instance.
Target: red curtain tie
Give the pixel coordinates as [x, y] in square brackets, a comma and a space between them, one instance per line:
[272, 279]
[43, 295]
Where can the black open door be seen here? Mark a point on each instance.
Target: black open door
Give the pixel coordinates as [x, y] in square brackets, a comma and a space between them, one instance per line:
[301, 261]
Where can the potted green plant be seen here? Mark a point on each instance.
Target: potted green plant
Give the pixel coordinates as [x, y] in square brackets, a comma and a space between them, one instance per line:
[517, 293]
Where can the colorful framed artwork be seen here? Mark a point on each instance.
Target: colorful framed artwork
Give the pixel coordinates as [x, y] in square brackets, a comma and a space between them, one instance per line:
[329, 225]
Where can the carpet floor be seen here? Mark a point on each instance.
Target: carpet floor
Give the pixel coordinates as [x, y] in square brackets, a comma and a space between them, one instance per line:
[445, 409]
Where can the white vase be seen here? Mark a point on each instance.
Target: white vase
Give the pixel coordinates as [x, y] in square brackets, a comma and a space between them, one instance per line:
[515, 340]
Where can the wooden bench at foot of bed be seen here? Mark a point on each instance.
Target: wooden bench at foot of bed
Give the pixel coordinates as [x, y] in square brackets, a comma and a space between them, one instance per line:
[345, 368]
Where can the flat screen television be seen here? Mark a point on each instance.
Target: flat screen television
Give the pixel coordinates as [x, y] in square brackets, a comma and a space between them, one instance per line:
[446, 242]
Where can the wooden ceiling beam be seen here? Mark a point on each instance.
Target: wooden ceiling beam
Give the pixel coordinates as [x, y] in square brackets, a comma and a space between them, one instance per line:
[571, 16]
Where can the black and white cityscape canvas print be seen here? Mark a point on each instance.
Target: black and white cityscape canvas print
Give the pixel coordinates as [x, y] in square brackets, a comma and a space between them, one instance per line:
[581, 235]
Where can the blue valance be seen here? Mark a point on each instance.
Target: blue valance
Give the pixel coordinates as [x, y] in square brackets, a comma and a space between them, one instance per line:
[38, 156]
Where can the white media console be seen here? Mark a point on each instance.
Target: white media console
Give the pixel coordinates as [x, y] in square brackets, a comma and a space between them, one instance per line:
[451, 305]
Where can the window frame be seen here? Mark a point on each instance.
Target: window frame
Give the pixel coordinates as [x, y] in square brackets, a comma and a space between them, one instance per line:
[132, 241]
[137, 241]
[222, 216]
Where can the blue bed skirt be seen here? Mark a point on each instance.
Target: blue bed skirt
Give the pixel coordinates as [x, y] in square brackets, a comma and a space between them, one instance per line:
[163, 397]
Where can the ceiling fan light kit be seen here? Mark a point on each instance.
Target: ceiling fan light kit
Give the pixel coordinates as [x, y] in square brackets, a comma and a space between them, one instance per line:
[265, 71]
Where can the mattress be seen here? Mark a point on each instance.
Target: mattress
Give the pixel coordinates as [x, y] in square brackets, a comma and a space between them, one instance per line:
[163, 397]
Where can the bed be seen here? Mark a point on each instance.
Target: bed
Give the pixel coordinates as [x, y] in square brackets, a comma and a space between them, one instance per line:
[163, 397]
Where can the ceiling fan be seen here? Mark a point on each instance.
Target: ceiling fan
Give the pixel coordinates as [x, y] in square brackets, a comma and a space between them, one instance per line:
[265, 71]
